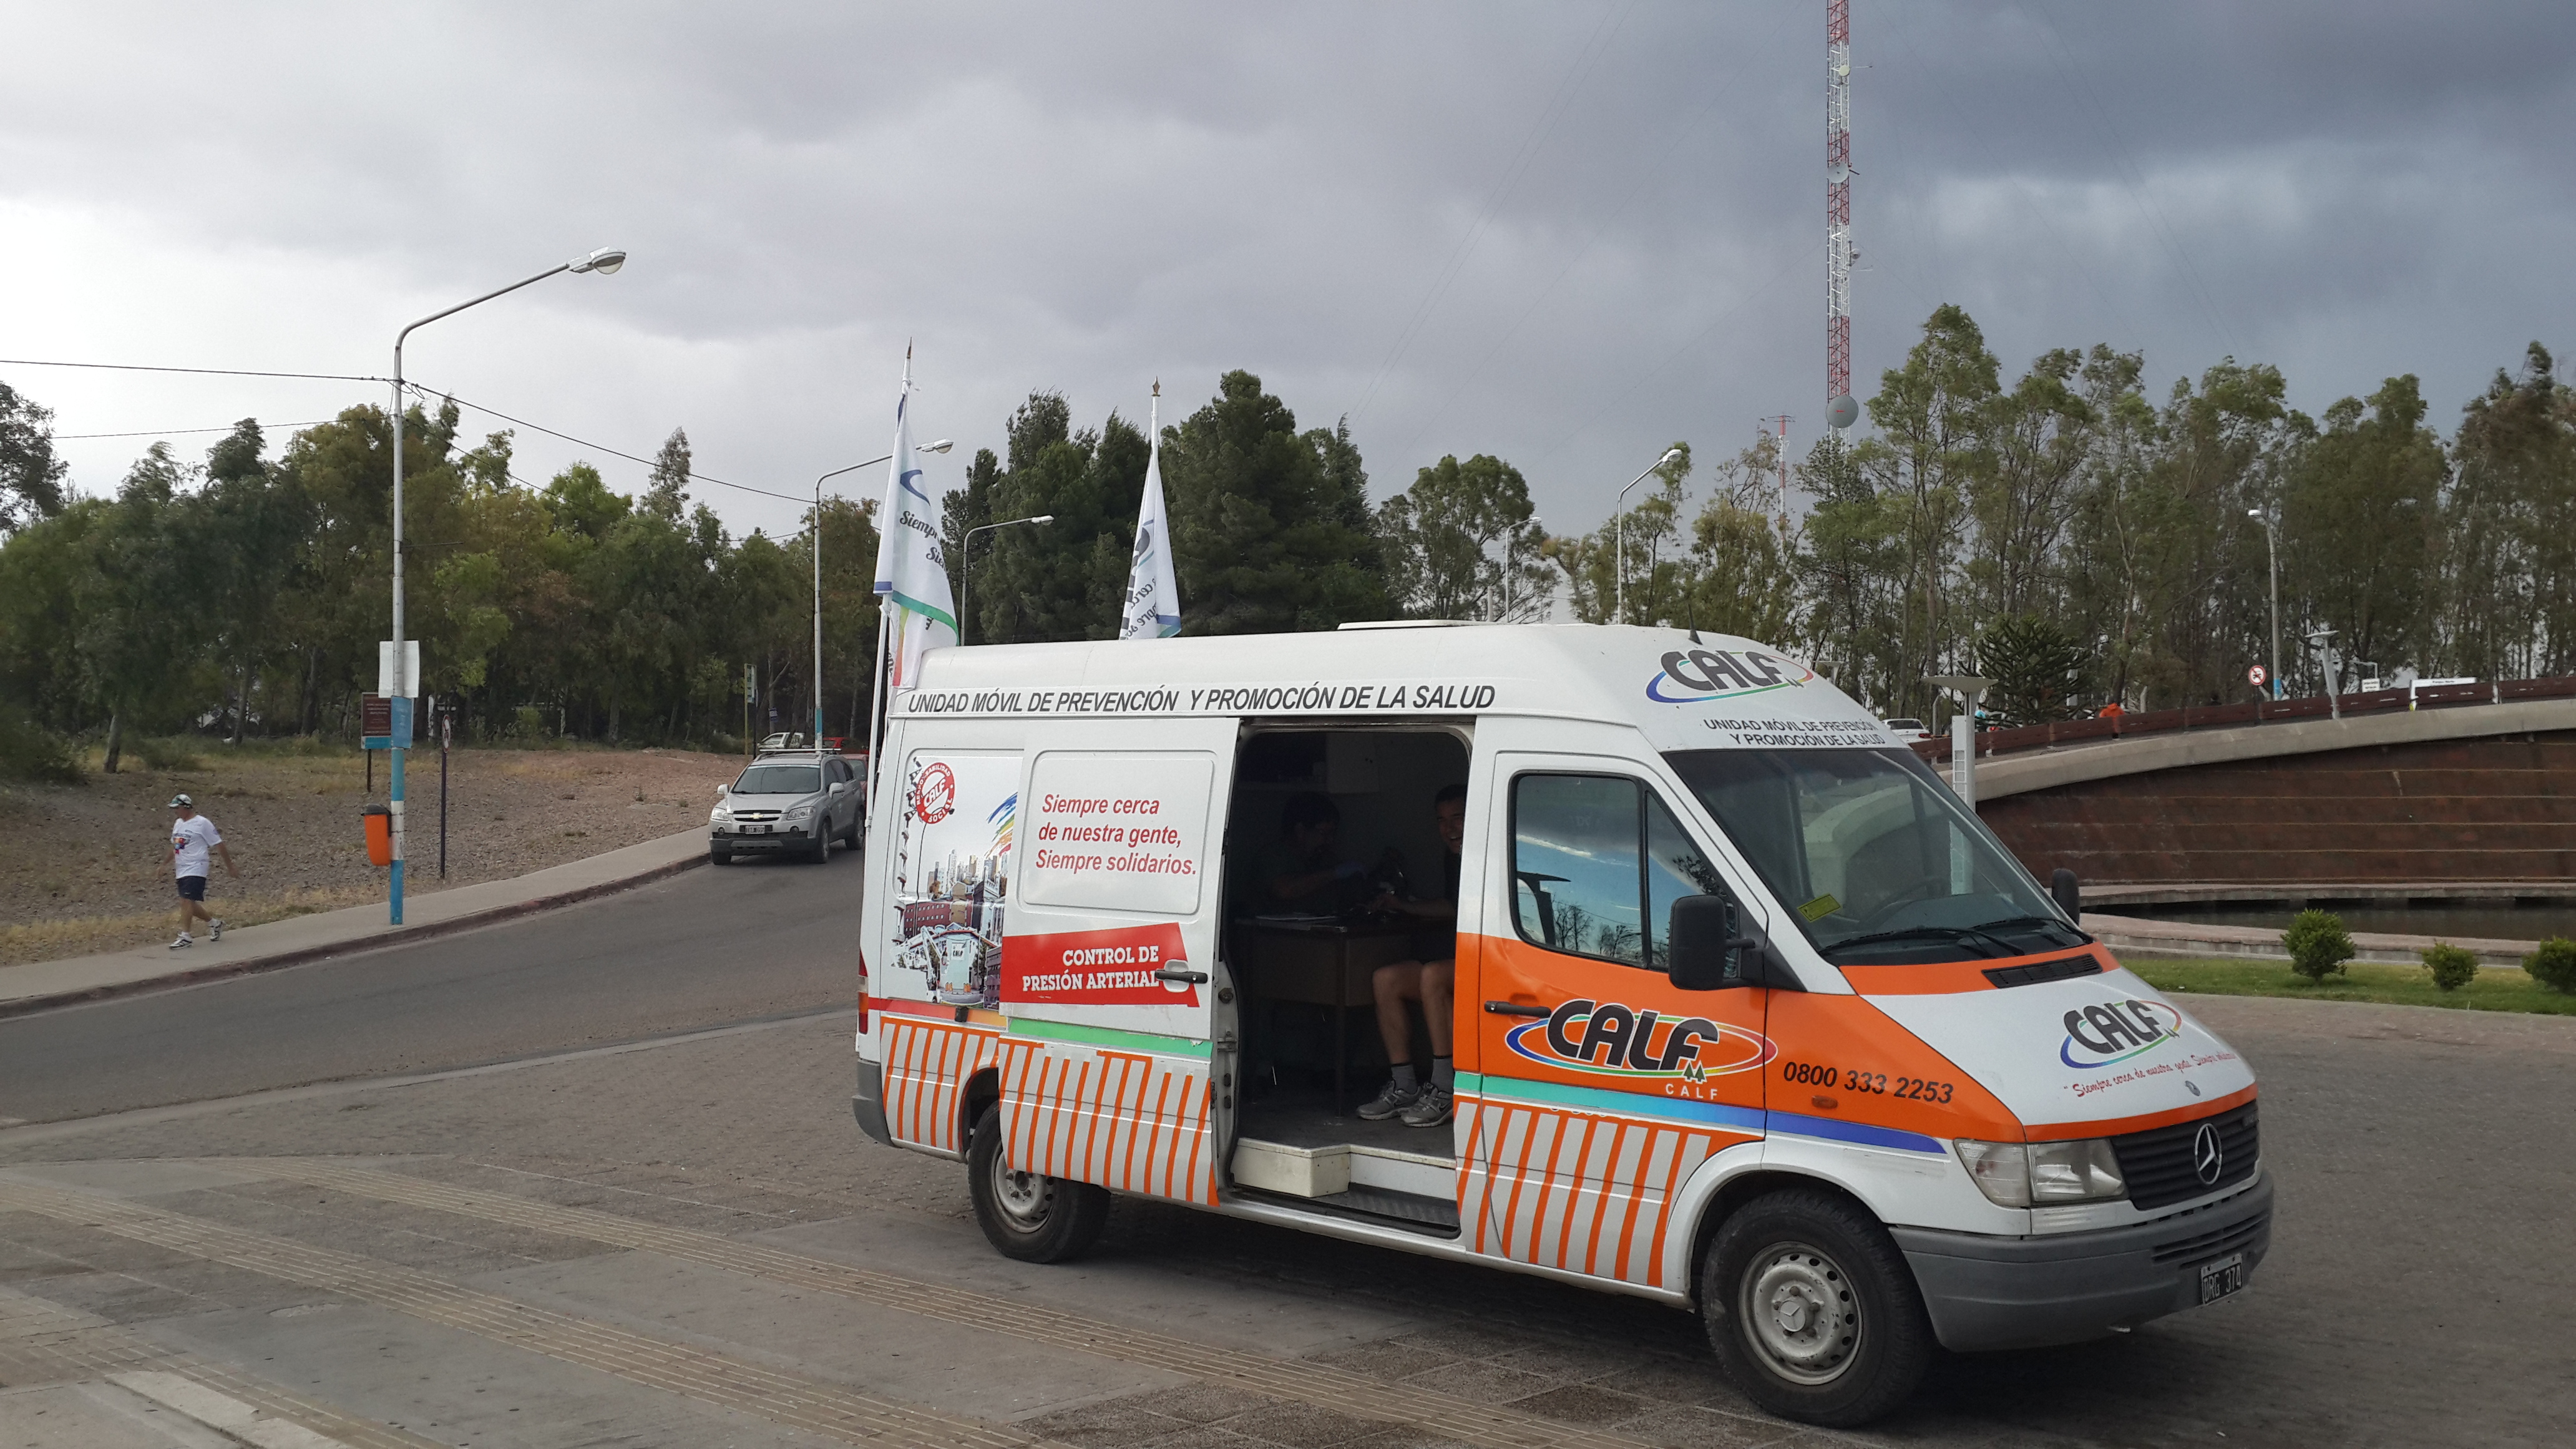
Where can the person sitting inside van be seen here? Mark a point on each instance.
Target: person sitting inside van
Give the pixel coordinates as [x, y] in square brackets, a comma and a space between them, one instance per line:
[1429, 980]
[1303, 870]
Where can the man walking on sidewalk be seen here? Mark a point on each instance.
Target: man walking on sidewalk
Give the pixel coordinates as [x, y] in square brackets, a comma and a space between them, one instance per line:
[192, 838]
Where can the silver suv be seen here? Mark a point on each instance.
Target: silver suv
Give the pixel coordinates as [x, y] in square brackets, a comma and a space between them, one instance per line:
[787, 801]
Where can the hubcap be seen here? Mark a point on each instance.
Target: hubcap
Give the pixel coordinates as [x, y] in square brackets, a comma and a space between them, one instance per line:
[1022, 1196]
[1803, 1314]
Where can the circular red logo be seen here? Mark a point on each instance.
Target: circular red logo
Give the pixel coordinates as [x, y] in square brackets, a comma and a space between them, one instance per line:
[936, 795]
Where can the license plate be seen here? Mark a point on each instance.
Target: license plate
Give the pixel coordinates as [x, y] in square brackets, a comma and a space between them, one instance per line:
[2221, 1276]
[755, 830]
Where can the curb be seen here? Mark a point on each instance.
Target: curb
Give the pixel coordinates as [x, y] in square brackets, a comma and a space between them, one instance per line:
[305, 955]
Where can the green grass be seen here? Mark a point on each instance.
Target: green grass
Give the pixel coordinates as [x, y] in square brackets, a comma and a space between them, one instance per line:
[2493, 990]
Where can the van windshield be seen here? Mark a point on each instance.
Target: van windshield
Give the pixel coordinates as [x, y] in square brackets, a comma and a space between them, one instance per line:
[779, 780]
[1874, 855]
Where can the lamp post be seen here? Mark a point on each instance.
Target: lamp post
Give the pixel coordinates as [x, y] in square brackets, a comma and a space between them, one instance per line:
[1619, 611]
[966, 552]
[2334, 698]
[2271, 521]
[1963, 739]
[605, 262]
[942, 446]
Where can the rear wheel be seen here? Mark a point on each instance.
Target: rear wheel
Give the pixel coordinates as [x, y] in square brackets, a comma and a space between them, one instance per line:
[1813, 1311]
[1029, 1216]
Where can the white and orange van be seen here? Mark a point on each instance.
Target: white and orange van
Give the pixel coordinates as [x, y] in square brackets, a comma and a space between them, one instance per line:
[1750, 1014]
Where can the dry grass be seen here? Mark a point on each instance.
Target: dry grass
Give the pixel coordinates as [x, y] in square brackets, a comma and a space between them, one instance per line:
[86, 868]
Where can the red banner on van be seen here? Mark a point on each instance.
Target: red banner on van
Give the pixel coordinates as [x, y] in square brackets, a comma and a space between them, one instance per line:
[1097, 968]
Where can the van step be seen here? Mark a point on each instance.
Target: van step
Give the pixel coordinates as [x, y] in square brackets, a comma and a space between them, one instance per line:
[1403, 1206]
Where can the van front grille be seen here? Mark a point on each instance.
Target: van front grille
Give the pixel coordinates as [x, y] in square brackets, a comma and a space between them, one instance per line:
[2161, 1164]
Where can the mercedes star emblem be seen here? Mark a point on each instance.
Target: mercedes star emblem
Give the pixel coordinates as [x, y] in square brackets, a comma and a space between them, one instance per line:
[2208, 1159]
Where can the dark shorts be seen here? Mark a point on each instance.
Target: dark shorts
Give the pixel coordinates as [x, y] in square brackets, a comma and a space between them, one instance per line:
[192, 888]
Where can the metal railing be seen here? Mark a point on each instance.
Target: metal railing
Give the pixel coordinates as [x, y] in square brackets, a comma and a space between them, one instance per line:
[2229, 716]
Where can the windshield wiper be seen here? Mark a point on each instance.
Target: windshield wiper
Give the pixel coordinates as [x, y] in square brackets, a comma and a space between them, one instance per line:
[1927, 933]
[2052, 922]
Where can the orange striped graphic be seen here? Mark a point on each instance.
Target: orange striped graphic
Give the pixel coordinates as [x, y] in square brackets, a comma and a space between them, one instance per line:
[1128, 1121]
[1546, 1185]
[926, 1066]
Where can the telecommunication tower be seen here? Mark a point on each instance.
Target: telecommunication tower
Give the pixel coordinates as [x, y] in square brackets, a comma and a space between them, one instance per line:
[1840, 410]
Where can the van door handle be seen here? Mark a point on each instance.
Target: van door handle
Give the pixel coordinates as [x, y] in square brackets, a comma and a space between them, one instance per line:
[1181, 973]
[1515, 1008]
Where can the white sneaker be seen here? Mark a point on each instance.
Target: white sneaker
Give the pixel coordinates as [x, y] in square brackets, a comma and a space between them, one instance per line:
[217, 933]
[184, 940]
[1389, 1100]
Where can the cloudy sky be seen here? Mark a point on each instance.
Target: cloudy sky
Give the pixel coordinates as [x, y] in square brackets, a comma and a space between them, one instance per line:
[1566, 234]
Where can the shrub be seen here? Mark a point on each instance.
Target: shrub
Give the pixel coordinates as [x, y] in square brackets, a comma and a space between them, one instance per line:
[28, 751]
[2452, 966]
[2318, 944]
[170, 754]
[2554, 964]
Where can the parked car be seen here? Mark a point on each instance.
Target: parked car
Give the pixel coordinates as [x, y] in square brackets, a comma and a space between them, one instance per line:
[1907, 731]
[788, 801]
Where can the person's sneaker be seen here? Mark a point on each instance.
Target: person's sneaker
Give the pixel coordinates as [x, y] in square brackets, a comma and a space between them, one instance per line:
[184, 940]
[218, 933]
[1430, 1108]
[1389, 1100]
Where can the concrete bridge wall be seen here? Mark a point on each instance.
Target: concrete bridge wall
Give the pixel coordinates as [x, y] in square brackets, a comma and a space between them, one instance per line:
[2470, 794]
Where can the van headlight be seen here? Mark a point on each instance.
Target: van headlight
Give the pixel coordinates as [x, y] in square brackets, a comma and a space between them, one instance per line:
[2035, 1174]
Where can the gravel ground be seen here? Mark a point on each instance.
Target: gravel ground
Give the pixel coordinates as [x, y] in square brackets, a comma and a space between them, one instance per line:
[86, 868]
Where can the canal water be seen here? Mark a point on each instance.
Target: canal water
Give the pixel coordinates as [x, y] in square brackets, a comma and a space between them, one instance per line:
[2498, 920]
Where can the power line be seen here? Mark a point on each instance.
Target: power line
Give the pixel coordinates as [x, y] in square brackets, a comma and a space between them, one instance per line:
[203, 371]
[694, 475]
[182, 432]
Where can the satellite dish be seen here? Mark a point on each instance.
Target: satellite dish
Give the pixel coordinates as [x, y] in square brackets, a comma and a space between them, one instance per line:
[1842, 412]
[1842, 68]
[1837, 173]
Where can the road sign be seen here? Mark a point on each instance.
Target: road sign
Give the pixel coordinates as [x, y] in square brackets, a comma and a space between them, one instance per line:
[2256, 675]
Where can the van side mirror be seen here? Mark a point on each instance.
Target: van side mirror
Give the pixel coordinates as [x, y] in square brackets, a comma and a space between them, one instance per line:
[2068, 895]
[1705, 951]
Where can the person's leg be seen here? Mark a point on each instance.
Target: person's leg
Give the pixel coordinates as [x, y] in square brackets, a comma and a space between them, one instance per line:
[1438, 993]
[1394, 985]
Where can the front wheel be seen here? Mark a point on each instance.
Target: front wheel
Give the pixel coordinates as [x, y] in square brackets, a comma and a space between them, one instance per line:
[719, 855]
[1029, 1216]
[1813, 1311]
[822, 843]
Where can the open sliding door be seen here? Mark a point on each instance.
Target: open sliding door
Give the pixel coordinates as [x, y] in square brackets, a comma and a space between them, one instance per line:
[1109, 977]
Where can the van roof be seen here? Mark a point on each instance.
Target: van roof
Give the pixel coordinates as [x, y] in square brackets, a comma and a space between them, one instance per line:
[1685, 692]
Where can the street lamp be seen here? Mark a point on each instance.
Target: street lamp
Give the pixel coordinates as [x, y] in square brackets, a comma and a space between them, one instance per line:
[2334, 698]
[2271, 521]
[1619, 612]
[605, 262]
[942, 446]
[966, 551]
[1963, 739]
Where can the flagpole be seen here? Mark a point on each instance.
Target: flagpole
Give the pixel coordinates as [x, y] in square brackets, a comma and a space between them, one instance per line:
[876, 684]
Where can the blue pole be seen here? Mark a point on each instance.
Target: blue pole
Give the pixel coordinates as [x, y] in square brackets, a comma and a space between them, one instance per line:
[397, 805]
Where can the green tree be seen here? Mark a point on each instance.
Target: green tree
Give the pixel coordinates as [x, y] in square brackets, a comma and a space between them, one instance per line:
[1062, 579]
[2508, 529]
[2357, 526]
[2037, 665]
[1270, 526]
[31, 477]
[1464, 543]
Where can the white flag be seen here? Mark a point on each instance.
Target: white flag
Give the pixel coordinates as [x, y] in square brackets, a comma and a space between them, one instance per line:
[912, 572]
[1153, 599]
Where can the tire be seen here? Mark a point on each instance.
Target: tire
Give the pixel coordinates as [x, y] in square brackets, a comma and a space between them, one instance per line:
[1033, 1218]
[1788, 1250]
[823, 843]
[719, 855]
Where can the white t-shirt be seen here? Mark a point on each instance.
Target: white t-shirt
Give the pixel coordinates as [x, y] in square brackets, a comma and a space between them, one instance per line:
[190, 840]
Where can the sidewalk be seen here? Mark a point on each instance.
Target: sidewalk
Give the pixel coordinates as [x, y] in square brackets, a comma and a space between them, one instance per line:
[298, 939]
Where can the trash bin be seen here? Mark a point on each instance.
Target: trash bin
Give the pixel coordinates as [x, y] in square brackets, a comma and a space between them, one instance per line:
[380, 834]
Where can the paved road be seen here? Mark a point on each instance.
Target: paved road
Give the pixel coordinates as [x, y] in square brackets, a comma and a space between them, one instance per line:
[707, 947]
[689, 1243]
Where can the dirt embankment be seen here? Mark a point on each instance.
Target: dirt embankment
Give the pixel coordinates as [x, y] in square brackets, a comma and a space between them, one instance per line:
[86, 868]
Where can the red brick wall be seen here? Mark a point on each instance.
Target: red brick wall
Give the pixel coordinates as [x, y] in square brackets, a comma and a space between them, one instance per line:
[2462, 810]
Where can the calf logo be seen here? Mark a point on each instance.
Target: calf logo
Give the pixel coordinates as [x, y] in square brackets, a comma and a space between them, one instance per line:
[1698, 675]
[936, 795]
[1608, 1039]
[2097, 1036]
